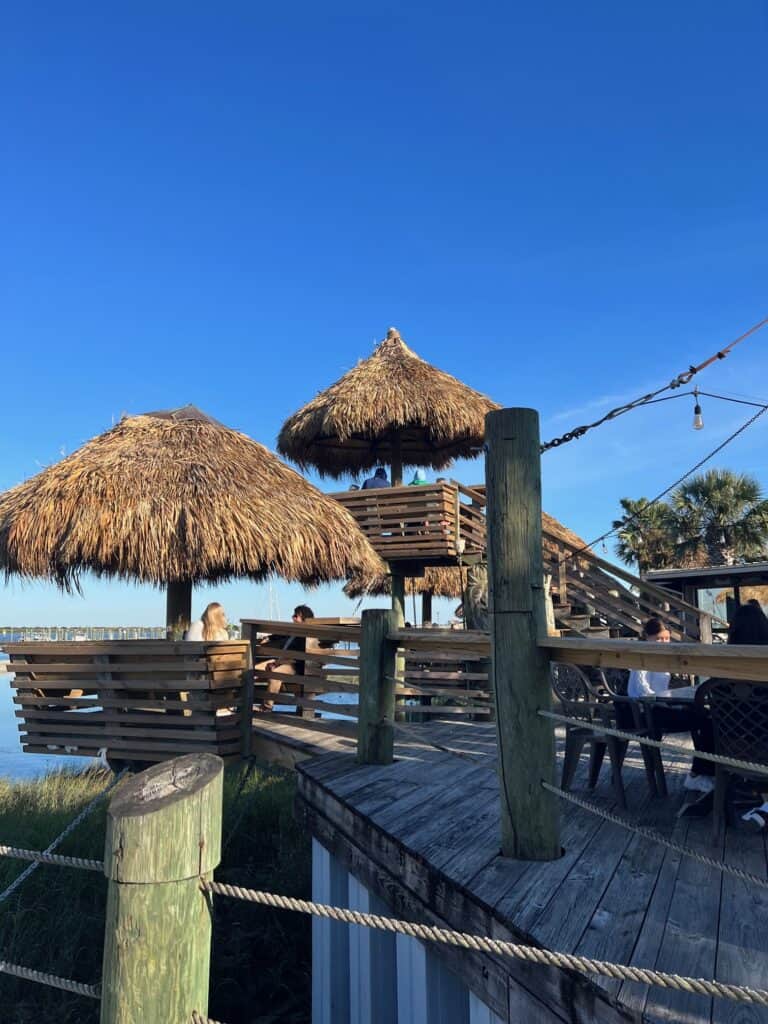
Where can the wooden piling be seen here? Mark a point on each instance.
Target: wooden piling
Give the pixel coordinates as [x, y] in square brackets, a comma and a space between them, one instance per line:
[178, 609]
[376, 711]
[519, 668]
[163, 838]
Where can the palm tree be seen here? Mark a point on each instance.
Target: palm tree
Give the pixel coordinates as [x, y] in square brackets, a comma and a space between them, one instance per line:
[646, 534]
[722, 516]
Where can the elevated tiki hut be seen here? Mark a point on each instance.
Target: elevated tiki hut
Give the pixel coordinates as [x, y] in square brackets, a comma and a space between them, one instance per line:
[392, 408]
[176, 498]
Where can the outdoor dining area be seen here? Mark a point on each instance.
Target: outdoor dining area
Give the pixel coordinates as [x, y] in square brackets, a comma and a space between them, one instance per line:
[718, 725]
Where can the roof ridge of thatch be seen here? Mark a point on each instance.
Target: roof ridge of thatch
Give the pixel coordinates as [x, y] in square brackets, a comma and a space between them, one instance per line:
[391, 396]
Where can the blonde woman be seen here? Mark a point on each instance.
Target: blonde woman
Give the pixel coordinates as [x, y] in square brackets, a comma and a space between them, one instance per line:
[212, 624]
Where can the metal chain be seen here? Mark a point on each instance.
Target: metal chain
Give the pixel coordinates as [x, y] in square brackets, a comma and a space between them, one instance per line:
[657, 837]
[53, 980]
[483, 944]
[44, 856]
[675, 748]
[682, 378]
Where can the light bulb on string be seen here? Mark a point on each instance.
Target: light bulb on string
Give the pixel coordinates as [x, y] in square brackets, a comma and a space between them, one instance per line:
[698, 421]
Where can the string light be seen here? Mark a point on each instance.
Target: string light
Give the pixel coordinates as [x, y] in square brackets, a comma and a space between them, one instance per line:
[698, 422]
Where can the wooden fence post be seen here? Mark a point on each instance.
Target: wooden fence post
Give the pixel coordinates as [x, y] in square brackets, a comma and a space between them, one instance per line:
[519, 668]
[376, 710]
[163, 837]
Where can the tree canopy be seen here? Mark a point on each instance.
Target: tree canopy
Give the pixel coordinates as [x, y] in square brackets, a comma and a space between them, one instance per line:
[716, 518]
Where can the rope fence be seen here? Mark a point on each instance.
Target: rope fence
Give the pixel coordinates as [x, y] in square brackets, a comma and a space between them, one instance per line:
[46, 856]
[499, 947]
[675, 748]
[53, 980]
[657, 837]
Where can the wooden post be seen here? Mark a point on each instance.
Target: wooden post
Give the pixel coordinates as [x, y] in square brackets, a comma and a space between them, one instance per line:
[178, 609]
[246, 710]
[519, 668]
[426, 606]
[376, 710]
[163, 837]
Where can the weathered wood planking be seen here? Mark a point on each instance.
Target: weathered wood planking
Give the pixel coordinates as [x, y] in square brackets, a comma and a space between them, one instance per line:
[423, 834]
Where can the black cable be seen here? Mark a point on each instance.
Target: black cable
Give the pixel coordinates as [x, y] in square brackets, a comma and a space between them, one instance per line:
[604, 536]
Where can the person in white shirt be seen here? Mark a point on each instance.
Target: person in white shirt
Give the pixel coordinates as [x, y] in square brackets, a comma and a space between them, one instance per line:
[212, 625]
[665, 718]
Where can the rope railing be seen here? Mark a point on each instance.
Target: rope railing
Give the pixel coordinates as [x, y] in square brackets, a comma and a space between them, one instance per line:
[484, 944]
[52, 980]
[47, 856]
[676, 748]
[657, 837]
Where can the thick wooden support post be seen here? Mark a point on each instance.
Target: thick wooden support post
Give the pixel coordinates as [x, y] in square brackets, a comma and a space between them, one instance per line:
[519, 668]
[398, 594]
[376, 711]
[178, 609]
[426, 607]
[163, 837]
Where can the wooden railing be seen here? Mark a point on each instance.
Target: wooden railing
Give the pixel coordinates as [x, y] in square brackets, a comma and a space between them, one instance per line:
[423, 524]
[140, 700]
[721, 660]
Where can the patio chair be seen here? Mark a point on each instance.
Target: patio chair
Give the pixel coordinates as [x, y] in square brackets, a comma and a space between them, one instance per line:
[631, 716]
[739, 712]
[580, 701]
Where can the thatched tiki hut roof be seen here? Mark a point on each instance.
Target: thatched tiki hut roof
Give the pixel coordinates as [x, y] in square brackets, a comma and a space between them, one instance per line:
[392, 408]
[437, 581]
[176, 498]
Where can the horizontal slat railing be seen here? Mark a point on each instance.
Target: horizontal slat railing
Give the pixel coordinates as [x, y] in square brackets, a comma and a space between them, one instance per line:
[139, 700]
[720, 660]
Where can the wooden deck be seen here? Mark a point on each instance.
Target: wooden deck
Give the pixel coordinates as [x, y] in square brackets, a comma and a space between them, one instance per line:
[423, 833]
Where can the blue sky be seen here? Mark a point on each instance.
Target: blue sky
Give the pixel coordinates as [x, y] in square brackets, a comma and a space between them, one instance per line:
[563, 205]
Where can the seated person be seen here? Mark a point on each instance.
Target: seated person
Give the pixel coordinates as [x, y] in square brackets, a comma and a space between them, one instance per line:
[670, 718]
[284, 666]
[212, 624]
[379, 479]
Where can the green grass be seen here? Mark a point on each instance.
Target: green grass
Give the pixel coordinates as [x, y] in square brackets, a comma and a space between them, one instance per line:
[55, 921]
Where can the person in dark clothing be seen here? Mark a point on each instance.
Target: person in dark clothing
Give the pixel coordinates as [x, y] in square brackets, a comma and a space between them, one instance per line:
[284, 666]
[379, 479]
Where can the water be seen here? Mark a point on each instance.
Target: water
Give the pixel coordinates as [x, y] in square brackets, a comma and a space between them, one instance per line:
[14, 763]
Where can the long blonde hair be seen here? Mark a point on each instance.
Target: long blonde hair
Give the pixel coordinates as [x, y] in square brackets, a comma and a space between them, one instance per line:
[213, 619]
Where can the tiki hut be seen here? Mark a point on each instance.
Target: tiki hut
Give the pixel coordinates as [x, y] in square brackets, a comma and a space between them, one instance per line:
[176, 498]
[436, 582]
[392, 408]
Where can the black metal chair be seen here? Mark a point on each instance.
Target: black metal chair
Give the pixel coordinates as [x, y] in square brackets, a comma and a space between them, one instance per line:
[739, 713]
[632, 716]
[582, 702]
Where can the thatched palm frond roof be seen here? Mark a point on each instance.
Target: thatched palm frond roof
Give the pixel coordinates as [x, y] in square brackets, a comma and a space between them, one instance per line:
[392, 396]
[175, 496]
[438, 581]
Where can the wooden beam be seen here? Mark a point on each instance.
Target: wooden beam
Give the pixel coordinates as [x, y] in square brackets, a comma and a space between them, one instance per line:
[519, 668]
[376, 712]
[726, 661]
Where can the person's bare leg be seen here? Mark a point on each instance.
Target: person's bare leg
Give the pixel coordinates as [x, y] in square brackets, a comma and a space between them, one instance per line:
[276, 685]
